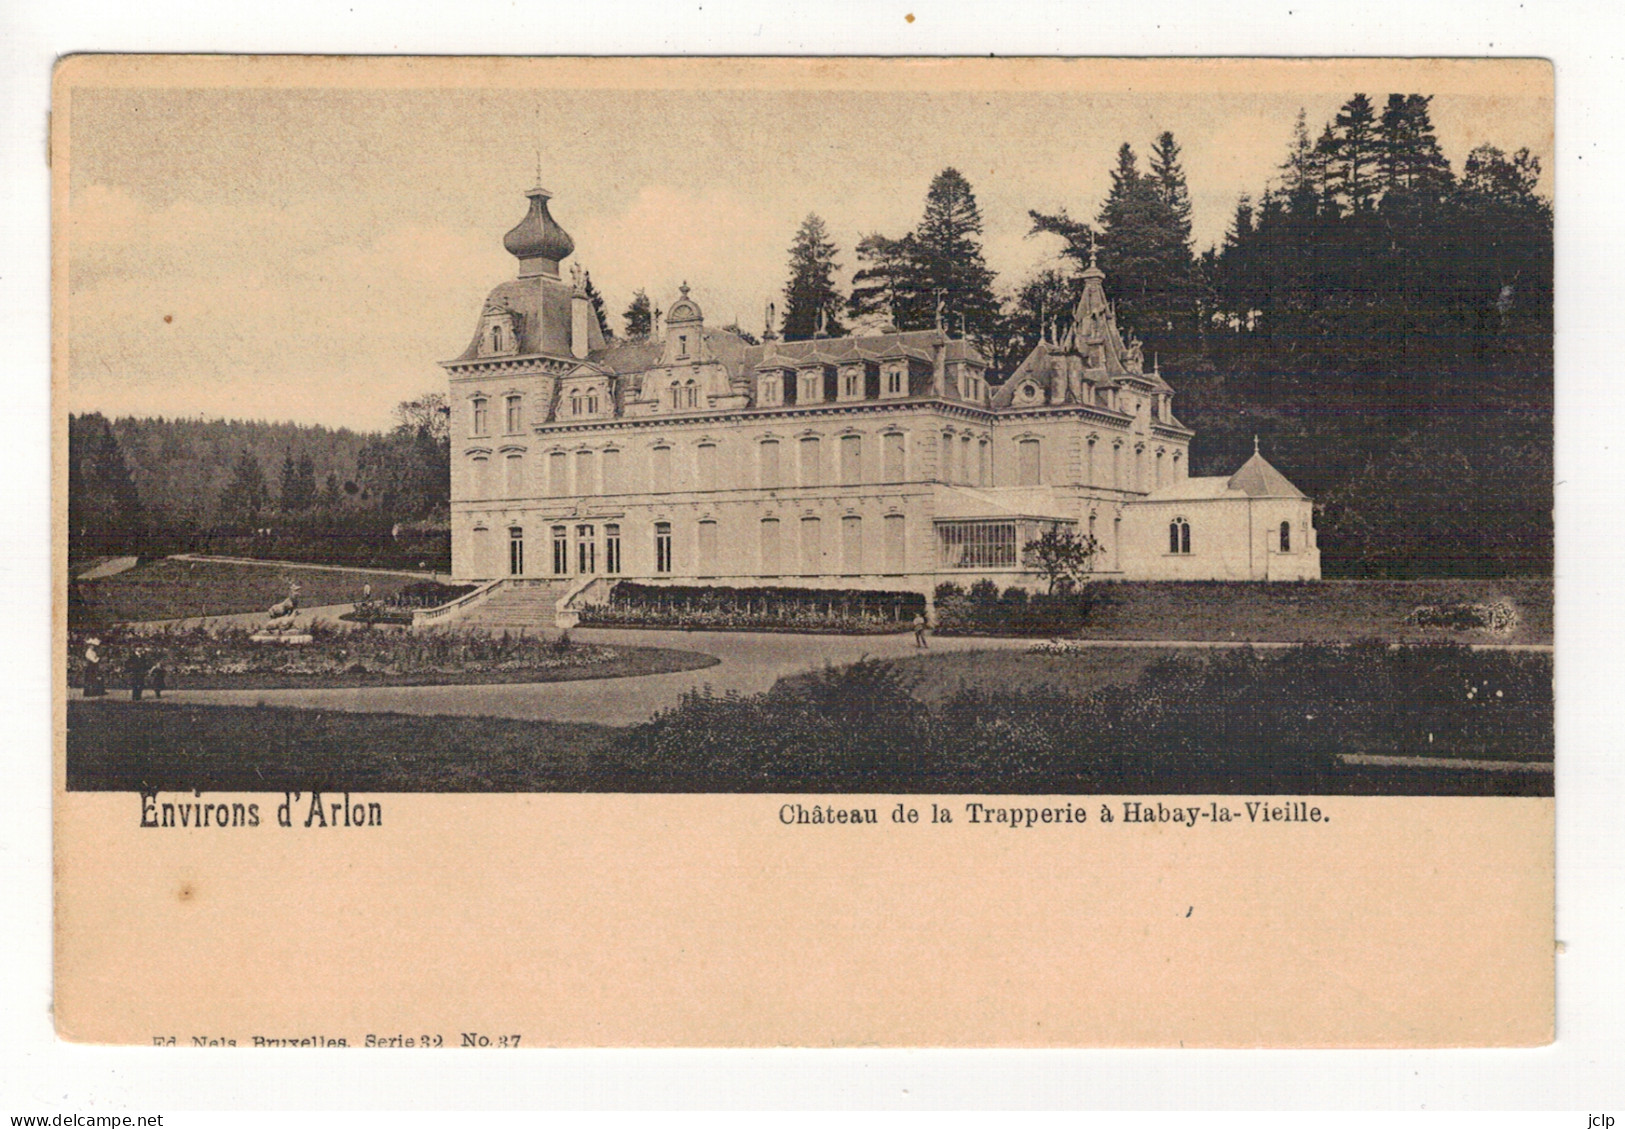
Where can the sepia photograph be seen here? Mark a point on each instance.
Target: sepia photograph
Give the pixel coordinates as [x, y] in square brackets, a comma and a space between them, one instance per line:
[672, 428]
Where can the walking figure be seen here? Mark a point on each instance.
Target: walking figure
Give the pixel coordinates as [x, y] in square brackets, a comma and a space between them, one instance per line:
[919, 632]
[95, 673]
[155, 677]
[135, 668]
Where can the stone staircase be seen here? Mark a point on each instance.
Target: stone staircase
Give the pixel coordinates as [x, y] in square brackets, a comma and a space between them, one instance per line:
[525, 605]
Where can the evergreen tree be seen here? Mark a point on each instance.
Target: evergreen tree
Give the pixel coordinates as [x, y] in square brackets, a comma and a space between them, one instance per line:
[288, 486]
[597, 301]
[330, 497]
[948, 256]
[639, 316]
[1358, 151]
[889, 282]
[1170, 180]
[246, 496]
[810, 295]
[1042, 306]
[105, 514]
[1410, 163]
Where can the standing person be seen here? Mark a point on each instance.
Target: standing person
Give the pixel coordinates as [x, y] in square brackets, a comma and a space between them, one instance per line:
[156, 676]
[919, 632]
[135, 668]
[95, 673]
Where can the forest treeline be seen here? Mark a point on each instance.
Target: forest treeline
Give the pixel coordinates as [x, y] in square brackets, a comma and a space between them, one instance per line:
[1381, 320]
[155, 486]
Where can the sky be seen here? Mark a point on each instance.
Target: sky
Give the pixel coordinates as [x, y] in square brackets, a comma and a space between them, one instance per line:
[309, 251]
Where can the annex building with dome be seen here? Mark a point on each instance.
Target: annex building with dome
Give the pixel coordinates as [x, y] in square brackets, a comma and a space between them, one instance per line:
[874, 460]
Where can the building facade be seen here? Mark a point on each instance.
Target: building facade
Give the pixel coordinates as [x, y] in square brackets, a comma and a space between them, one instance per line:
[880, 460]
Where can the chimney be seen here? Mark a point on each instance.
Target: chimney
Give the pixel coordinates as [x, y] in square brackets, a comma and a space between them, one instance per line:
[580, 316]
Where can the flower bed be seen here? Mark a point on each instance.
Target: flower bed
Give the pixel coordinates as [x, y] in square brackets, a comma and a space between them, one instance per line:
[811, 610]
[199, 656]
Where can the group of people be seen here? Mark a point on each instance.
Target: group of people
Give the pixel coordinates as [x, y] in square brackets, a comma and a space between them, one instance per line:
[143, 670]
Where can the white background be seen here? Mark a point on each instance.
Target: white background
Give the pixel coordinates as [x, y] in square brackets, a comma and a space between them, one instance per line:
[1583, 1070]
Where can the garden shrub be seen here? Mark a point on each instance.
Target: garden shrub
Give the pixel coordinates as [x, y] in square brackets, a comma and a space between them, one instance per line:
[846, 611]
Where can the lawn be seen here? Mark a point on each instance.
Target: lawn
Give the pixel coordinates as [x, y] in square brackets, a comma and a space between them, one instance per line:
[1232, 722]
[174, 589]
[1308, 611]
[120, 746]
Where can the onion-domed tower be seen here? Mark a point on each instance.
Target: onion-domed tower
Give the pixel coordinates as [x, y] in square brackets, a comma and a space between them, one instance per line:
[538, 242]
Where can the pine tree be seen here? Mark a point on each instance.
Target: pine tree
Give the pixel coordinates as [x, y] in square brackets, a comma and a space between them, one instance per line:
[1358, 150]
[246, 495]
[948, 256]
[889, 283]
[1170, 180]
[288, 486]
[1410, 162]
[639, 316]
[597, 301]
[810, 290]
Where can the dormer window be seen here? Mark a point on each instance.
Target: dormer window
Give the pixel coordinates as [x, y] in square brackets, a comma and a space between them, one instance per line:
[496, 339]
[772, 390]
[894, 380]
[592, 402]
[575, 403]
[682, 345]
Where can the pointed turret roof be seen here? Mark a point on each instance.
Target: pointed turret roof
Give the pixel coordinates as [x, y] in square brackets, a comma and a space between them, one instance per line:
[1258, 479]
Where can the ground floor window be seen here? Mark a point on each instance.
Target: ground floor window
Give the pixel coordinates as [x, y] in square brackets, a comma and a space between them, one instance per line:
[1286, 537]
[561, 551]
[895, 525]
[586, 550]
[706, 550]
[612, 548]
[770, 546]
[662, 546]
[1179, 536]
[516, 551]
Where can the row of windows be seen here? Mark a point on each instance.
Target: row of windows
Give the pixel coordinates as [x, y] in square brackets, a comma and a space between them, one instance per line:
[783, 548]
[962, 459]
[684, 395]
[1179, 536]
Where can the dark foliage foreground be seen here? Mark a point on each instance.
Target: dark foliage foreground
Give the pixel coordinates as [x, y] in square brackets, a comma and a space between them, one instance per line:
[1236, 721]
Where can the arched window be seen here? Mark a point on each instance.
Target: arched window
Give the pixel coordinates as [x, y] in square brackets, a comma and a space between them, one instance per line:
[1179, 536]
[1286, 537]
[662, 546]
[592, 402]
[496, 339]
[575, 403]
[691, 395]
[676, 394]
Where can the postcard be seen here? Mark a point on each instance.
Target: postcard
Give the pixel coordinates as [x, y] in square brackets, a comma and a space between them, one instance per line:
[803, 552]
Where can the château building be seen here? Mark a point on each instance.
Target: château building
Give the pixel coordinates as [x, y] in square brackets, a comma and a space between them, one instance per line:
[879, 460]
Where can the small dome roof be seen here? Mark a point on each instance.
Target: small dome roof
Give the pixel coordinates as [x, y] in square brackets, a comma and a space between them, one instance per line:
[684, 309]
[538, 235]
